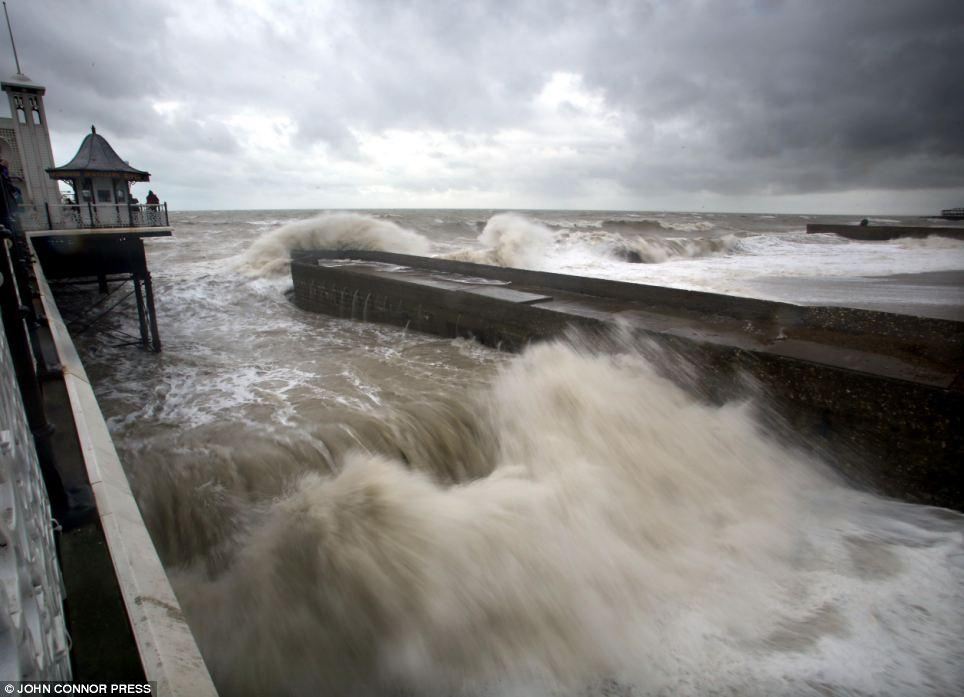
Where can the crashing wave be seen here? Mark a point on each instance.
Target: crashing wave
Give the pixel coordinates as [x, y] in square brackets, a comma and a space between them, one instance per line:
[932, 242]
[510, 240]
[652, 225]
[655, 250]
[607, 515]
[270, 253]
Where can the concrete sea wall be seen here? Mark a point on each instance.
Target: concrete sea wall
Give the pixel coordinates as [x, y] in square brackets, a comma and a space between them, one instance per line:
[882, 392]
[877, 233]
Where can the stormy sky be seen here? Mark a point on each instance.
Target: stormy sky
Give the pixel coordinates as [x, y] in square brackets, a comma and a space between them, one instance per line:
[850, 106]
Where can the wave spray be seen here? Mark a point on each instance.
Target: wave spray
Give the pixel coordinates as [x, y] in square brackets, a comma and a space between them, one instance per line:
[623, 538]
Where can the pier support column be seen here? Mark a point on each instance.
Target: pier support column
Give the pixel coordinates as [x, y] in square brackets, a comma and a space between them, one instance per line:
[152, 313]
[141, 320]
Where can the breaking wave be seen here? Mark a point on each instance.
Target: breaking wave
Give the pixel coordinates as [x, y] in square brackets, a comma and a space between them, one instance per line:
[651, 225]
[655, 250]
[269, 254]
[510, 240]
[933, 242]
[612, 535]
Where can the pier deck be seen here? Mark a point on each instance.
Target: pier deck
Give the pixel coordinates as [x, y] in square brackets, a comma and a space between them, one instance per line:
[104, 256]
[885, 390]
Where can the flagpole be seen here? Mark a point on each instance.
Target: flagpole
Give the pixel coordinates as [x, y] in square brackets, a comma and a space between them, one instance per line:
[10, 29]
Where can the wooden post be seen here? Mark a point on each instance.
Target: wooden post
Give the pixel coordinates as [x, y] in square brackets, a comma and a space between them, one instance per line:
[167, 221]
[50, 225]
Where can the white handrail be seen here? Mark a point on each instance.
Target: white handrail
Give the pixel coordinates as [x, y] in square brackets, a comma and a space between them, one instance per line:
[167, 648]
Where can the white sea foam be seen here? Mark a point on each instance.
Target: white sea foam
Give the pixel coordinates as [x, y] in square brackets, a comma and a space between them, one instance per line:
[605, 246]
[269, 255]
[656, 225]
[655, 250]
[736, 270]
[512, 240]
[580, 525]
[954, 246]
[626, 533]
[509, 240]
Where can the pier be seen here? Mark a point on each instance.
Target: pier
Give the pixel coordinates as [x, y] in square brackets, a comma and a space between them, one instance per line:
[109, 258]
[87, 597]
[77, 524]
[883, 392]
[86, 243]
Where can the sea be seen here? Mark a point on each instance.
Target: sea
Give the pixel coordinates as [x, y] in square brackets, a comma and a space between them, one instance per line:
[347, 508]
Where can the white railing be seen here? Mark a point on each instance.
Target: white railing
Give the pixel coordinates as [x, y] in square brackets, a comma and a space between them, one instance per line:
[89, 215]
[169, 654]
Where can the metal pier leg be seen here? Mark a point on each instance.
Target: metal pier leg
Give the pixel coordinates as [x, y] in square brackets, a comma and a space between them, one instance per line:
[152, 313]
[140, 309]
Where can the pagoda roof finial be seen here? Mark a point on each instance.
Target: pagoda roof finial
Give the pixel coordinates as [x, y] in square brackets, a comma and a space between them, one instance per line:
[92, 129]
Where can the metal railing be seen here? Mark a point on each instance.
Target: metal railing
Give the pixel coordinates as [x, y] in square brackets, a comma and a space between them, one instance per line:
[91, 215]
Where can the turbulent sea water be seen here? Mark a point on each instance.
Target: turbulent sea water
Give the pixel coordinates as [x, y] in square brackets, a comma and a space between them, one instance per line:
[347, 508]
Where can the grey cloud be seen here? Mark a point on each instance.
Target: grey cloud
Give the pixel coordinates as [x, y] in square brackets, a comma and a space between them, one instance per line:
[110, 48]
[774, 96]
[853, 89]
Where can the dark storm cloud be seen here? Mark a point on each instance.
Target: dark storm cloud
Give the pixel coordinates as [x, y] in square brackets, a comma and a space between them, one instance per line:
[99, 54]
[727, 97]
[779, 91]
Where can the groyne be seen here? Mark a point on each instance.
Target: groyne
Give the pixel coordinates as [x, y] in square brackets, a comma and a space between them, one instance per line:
[879, 233]
[882, 392]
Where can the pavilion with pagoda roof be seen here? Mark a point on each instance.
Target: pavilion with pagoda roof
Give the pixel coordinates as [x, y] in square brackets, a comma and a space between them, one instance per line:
[98, 168]
[101, 182]
[97, 234]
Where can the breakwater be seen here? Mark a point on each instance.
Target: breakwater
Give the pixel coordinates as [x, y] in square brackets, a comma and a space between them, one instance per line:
[879, 233]
[883, 391]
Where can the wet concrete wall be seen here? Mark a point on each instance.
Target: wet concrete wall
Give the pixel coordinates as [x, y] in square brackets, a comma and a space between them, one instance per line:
[877, 233]
[879, 394]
